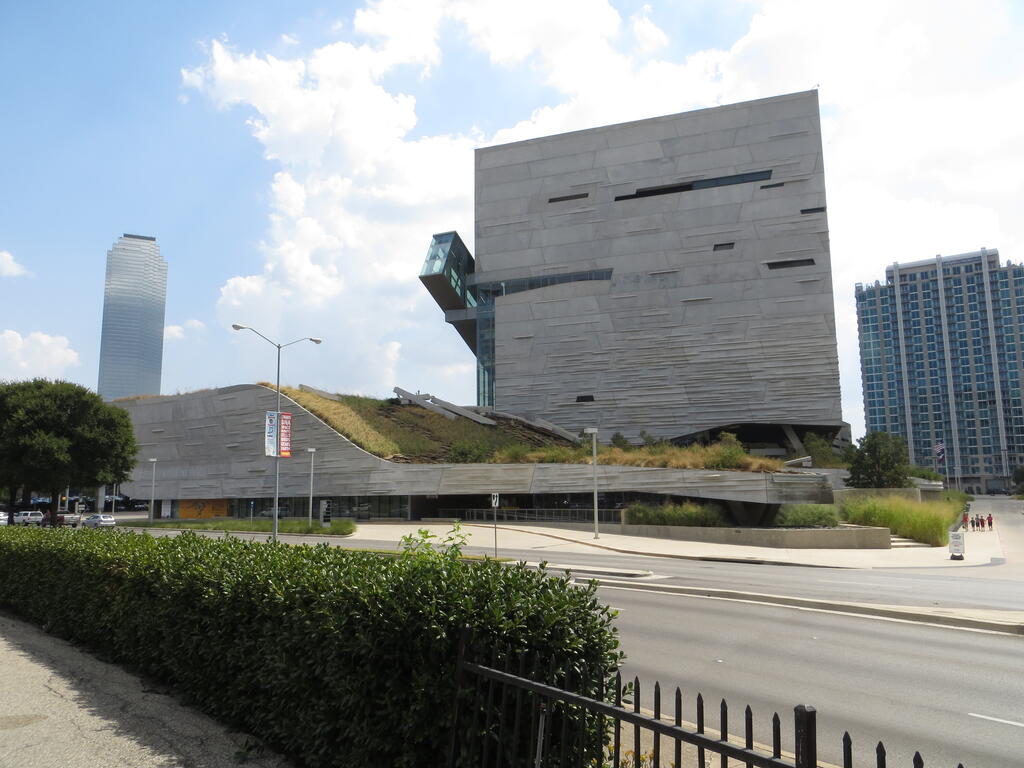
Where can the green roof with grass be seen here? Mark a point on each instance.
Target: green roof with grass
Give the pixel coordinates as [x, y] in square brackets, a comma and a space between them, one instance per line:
[406, 432]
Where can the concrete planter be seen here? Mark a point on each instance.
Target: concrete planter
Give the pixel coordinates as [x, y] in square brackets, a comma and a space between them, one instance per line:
[778, 538]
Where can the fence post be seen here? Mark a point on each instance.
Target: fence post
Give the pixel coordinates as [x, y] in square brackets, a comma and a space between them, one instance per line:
[460, 657]
[806, 737]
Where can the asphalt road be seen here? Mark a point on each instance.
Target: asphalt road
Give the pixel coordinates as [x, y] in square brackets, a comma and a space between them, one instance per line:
[912, 686]
[955, 695]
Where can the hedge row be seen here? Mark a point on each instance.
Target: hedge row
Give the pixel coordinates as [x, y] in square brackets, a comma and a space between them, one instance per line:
[807, 516]
[333, 657]
[688, 513]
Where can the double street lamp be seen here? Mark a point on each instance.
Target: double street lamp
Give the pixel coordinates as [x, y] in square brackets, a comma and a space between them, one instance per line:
[277, 448]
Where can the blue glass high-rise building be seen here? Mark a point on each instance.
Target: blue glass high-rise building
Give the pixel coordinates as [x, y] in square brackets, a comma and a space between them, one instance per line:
[940, 349]
[134, 297]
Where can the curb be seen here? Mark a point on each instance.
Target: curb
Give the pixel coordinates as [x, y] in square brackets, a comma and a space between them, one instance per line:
[599, 570]
[704, 558]
[857, 609]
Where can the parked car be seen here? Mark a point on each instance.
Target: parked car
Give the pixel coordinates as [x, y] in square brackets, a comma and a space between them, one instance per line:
[100, 521]
[28, 517]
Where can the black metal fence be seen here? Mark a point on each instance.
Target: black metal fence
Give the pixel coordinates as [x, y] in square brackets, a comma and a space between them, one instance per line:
[558, 515]
[519, 713]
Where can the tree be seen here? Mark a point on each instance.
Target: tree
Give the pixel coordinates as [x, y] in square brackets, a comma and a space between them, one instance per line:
[821, 452]
[55, 434]
[880, 461]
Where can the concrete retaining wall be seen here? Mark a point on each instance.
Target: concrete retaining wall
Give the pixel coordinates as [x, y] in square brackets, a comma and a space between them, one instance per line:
[778, 538]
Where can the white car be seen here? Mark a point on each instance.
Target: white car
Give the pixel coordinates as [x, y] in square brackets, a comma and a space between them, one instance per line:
[99, 521]
[28, 517]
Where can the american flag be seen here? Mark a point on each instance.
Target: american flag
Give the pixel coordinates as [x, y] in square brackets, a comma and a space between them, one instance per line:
[940, 450]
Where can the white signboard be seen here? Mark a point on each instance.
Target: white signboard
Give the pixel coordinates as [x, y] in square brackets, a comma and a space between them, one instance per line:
[494, 500]
[956, 545]
[270, 434]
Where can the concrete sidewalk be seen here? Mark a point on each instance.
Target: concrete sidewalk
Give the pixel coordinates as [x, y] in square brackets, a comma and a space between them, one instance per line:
[981, 547]
[62, 706]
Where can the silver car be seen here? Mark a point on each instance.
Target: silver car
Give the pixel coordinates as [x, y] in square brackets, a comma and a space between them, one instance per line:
[99, 521]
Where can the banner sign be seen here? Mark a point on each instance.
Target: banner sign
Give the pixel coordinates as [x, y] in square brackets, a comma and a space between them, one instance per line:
[270, 434]
[284, 423]
[286, 435]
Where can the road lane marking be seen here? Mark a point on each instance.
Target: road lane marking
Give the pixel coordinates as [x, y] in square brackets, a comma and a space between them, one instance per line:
[997, 719]
[833, 611]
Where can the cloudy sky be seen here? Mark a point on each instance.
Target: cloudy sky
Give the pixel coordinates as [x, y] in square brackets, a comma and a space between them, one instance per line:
[293, 159]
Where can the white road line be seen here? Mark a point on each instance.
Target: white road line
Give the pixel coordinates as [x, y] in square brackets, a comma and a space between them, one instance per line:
[996, 719]
[810, 609]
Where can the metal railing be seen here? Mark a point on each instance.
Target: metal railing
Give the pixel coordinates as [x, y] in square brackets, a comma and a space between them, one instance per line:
[575, 515]
[538, 716]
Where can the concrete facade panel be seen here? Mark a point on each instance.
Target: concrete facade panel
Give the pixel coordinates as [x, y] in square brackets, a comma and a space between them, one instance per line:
[695, 328]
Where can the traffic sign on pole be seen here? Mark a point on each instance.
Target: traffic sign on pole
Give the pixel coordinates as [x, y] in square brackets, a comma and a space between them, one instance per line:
[494, 506]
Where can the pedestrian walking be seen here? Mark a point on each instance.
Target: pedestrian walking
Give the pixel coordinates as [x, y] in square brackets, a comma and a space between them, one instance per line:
[964, 525]
[974, 523]
[990, 521]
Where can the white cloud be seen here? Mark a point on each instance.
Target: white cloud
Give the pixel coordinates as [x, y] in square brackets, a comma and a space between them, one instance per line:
[289, 40]
[649, 37]
[9, 267]
[919, 147]
[35, 355]
[189, 329]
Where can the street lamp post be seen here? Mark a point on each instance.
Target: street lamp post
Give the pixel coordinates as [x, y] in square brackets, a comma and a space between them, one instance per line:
[152, 491]
[277, 447]
[312, 455]
[592, 431]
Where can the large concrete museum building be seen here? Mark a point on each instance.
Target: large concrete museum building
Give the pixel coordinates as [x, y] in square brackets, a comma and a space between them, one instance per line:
[202, 454]
[669, 276]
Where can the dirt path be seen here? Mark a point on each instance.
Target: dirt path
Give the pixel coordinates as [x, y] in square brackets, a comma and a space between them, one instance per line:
[60, 706]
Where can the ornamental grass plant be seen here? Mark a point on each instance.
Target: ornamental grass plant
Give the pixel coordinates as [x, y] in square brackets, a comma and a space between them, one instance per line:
[726, 453]
[333, 657]
[927, 522]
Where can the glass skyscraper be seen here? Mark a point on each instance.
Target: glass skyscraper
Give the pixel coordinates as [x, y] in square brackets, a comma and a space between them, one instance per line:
[132, 344]
[940, 346]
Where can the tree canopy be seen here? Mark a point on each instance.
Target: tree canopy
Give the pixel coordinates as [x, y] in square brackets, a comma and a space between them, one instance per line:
[55, 434]
[880, 461]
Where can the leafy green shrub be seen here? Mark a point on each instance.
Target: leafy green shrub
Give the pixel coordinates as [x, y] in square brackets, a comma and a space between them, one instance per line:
[807, 516]
[468, 452]
[619, 440]
[927, 522]
[688, 513]
[726, 453]
[924, 473]
[334, 657]
[821, 452]
[952, 494]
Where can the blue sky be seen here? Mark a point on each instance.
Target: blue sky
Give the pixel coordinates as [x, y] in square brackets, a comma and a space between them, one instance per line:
[293, 159]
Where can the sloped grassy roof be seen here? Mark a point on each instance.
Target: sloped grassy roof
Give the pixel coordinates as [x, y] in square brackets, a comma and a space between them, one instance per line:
[411, 433]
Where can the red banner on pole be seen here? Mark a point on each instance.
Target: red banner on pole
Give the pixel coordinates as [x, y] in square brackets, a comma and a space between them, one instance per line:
[286, 435]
